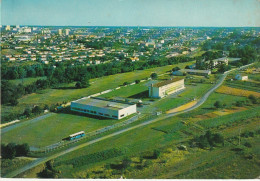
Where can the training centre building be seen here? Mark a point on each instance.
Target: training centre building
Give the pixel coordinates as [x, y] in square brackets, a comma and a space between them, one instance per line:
[162, 89]
[103, 107]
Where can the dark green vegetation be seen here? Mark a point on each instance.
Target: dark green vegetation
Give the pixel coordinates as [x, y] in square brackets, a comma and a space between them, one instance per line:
[49, 171]
[12, 150]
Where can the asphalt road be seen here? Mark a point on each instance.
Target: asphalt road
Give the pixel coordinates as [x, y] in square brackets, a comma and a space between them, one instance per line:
[43, 160]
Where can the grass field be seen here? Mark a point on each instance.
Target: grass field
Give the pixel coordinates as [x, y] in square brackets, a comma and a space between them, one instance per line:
[69, 93]
[26, 81]
[54, 128]
[208, 105]
[126, 92]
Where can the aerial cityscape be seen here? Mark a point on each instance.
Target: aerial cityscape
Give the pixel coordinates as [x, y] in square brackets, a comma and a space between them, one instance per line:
[130, 89]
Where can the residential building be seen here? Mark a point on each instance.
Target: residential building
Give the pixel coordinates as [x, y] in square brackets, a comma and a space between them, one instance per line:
[7, 27]
[162, 89]
[67, 32]
[219, 61]
[60, 31]
[103, 107]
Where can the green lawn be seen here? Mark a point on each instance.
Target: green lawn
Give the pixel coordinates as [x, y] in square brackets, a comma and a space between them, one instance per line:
[53, 129]
[208, 105]
[129, 91]
[26, 81]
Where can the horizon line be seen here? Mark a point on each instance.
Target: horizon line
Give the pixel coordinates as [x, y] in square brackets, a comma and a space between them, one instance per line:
[154, 26]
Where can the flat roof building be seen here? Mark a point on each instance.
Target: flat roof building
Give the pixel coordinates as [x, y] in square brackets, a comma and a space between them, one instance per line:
[162, 89]
[103, 107]
[196, 72]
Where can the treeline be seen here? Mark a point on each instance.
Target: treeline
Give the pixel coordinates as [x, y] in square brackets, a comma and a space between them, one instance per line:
[11, 92]
[247, 55]
[28, 112]
[12, 150]
[67, 72]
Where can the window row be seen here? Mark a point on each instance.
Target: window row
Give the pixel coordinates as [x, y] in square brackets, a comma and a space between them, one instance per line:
[94, 112]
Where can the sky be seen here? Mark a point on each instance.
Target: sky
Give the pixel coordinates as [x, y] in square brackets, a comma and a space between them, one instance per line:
[202, 13]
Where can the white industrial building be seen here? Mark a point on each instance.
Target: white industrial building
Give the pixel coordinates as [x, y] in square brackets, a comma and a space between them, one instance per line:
[162, 89]
[103, 107]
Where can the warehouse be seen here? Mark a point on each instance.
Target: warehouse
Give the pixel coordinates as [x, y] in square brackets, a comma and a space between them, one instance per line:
[103, 107]
[196, 72]
[162, 89]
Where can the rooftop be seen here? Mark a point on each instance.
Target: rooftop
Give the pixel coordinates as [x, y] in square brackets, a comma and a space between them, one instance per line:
[166, 82]
[100, 102]
[195, 71]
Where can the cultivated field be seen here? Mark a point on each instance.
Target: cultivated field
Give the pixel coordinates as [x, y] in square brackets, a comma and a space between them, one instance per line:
[237, 92]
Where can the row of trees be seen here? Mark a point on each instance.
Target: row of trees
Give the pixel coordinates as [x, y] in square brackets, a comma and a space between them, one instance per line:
[11, 150]
[66, 72]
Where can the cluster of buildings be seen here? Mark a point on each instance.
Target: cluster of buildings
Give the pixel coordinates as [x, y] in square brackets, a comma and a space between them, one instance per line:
[57, 44]
[115, 109]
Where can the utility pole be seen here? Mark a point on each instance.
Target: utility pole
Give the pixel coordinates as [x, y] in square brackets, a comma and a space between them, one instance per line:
[239, 137]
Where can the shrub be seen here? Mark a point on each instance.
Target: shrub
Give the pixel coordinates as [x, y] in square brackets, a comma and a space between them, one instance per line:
[252, 98]
[37, 110]
[247, 144]
[154, 76]
[156, 154]
[217, 104]
[137, 81]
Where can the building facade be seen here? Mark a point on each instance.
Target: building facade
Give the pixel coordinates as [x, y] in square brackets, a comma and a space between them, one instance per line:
[103, 107]
[165, 88]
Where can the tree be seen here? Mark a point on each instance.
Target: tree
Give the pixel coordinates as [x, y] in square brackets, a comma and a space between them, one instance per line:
[14, 101]
[37, 110]
[22, 150]
[78, 85]
[218, 138]
[49, 171]
[154, 76]
[125, 83]
[187, 67]
[217, 104]
[8, 151]
[27, 112]
[137, 81]
[126, 162]
[156, 154]
[175, 69]
[253, 99]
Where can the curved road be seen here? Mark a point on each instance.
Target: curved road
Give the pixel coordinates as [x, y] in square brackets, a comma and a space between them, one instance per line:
[43, 160]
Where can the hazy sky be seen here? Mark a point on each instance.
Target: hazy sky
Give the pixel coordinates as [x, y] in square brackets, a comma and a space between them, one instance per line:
[131, 12]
